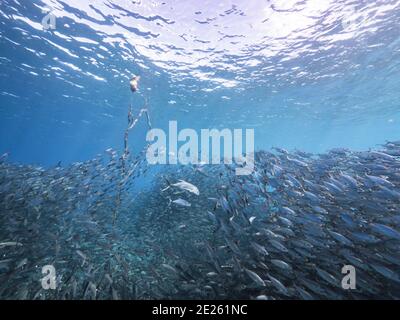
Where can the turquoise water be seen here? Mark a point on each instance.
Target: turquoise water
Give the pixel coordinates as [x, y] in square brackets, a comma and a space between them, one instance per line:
[318, 82]
[302, 74]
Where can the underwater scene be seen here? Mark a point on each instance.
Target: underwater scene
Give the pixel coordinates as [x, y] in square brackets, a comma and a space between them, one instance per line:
[170, 149]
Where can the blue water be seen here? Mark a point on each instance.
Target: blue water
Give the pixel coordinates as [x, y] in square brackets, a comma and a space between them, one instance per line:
[301, 73]
[309, 75]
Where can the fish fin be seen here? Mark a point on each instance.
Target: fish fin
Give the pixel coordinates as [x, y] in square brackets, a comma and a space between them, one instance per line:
[170, 201]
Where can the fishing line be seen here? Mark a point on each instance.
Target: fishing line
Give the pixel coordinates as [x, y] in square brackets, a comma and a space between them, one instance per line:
[124, 158]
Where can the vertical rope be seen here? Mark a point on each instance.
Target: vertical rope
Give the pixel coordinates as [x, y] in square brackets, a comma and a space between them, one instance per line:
[124, 158]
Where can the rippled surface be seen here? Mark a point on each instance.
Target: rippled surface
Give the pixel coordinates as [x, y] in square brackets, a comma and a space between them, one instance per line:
[305, 74]
[319, 78]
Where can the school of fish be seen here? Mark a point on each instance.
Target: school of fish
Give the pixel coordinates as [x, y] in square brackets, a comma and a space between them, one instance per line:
[202, 232]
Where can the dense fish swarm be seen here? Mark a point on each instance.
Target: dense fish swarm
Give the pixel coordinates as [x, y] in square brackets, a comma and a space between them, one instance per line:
[197, 232]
